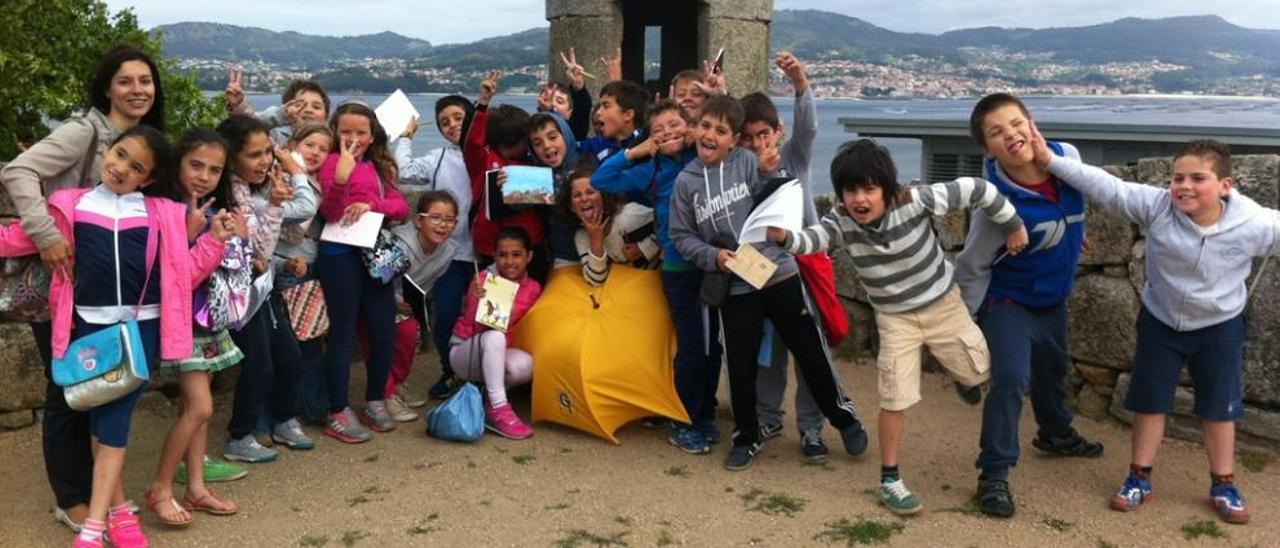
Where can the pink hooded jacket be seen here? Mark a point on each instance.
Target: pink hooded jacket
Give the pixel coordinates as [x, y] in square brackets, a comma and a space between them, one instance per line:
[467, 326]
[181, 268]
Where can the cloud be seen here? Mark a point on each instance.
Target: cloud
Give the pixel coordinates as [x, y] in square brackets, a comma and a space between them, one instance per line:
[454, 21]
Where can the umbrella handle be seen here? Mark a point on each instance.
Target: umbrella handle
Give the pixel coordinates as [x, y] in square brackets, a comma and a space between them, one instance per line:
[594, 303]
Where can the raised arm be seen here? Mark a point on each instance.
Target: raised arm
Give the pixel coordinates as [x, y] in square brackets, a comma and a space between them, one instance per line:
[1135, 202]
[619, 175]
[826, 235]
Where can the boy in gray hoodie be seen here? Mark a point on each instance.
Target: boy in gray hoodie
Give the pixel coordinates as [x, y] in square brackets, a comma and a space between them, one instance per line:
[713, 196]
[1202, 237]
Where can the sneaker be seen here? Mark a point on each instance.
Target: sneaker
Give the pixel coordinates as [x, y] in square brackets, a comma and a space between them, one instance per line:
[344, 427]
[399, 410]
[61, 516]
[855, 438]
[1133, 493]
[291, 435]
[502, 420]
[1228, 502]
[740, 456]
[688, 439]
[811, 446]
[1070, 445]
[768, 431]
[80, 542]
[994, 498]
[895, 496]
[215, 471]
[709, 431]
[442, 388]
[406, 396]
[247, 449]
[971, 395]
[376, 417]
[123, 530]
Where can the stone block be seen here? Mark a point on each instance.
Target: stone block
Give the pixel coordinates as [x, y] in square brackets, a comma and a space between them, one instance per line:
[583, 8]
[1262, 339]
[1092, 404]
[1154, 171]
[1110, 238]
[1138, 265]
[12, 420]
[21, 369]
[1097, 376]
[863, 339]
[591, 37]
[746, 52]
[1102, 313]
[847, 282]
[1258, 177]
[754, 10]
[1258, 430]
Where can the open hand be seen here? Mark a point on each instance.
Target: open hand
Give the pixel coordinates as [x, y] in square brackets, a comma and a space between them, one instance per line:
[1039, 147]
[794, 70]
[613, 66]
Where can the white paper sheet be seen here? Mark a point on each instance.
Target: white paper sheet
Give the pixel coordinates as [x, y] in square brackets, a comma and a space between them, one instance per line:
[395, 113]
[362, 233]
[783, 209]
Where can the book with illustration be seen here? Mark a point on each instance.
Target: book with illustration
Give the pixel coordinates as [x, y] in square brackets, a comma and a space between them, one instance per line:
[496, 305]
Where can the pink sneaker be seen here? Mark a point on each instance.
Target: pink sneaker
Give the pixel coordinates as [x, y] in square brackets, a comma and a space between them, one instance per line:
[502, 420]
[124, 531]
[80, 542]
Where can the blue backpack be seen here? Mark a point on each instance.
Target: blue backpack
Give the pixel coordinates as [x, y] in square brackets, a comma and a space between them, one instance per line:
[459, 418]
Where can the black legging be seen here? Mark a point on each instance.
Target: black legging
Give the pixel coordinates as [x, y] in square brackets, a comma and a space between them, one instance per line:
[68, 450]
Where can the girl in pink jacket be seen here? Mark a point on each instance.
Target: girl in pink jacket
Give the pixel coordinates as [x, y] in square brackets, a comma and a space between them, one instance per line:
[479, 353]
[132, 262]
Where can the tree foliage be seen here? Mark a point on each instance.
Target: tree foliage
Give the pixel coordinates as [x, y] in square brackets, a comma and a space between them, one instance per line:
[48, 52]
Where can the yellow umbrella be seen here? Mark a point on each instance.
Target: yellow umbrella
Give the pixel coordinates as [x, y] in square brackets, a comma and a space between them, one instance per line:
[601, 355]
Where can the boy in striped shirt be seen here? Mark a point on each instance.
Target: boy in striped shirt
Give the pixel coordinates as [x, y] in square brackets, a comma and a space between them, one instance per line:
[908, 281]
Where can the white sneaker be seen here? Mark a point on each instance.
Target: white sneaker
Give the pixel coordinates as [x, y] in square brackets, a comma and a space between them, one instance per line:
[399, 411]
[406, 396]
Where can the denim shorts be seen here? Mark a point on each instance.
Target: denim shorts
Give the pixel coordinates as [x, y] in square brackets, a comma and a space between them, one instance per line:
[1214, 356]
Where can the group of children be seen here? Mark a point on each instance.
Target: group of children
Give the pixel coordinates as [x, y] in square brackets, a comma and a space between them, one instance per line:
[208, 246]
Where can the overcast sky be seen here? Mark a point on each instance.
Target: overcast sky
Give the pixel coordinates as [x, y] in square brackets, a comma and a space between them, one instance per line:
[451, 21]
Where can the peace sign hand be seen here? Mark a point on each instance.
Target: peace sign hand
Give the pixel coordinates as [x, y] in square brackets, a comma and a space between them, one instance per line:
[489, 87]
[196, 216]
[346, 161]
[713, 82]
[235, 88]
[573, 70]
[281, 192]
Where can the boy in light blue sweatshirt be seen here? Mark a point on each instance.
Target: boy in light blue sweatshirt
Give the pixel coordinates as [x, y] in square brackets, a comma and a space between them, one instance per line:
[1202, 237]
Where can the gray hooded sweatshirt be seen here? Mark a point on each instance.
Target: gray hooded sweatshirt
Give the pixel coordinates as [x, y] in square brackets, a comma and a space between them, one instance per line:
[1195, 275]
[710, 204]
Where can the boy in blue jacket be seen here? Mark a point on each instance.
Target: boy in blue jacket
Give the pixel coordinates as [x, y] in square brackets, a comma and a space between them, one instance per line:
[1202, 237]
[1021, 300]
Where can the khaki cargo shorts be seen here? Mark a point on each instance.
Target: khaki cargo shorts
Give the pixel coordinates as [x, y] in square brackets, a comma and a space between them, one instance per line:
[951, 336]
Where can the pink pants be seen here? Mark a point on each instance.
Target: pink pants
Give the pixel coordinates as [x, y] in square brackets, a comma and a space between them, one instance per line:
[402, 356]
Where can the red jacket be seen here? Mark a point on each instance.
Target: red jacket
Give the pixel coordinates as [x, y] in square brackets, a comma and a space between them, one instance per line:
[467, 325]
[479, 158]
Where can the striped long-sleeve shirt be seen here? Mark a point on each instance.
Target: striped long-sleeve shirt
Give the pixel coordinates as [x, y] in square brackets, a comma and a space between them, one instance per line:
[898, 260]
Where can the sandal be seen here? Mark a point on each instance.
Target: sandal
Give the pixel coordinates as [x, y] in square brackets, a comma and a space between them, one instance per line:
[1070, 445]
[210, 504]
[995, 499]
[156, 505]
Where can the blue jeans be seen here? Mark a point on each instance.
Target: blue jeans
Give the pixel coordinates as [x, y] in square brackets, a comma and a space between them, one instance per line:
[697, 361]
[446, 302]
[1028, 351]
[349, 294]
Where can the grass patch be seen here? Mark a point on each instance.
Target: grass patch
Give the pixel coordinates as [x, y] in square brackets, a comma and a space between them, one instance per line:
[565, 450]
[350, 538]
[500, 450]
[357, 500]
[573, 491]
[773, 504]
[559, 506]
[665, 538]
[728, 489]
[1058, 525]
[1192, 530]
[374, 490]
[969, 508]
[470, 463]
[1254, 462]
[863, 531]
[1102, 543]
[425, 526]
[373, 458]
[523, 459]
[622, 520]
[870, 492]
[582, 537]
[946, 487]
[824, 465]
[681, 471]
[313, 540]
[485, 503]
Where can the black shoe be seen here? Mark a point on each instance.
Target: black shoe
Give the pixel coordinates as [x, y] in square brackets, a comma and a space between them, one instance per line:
[994, 498]
[768, 431]
[1070, 445]
[740, 456]
[855, 438]
[811, 446]
[441, 389]
[655, 422]
[971, 395]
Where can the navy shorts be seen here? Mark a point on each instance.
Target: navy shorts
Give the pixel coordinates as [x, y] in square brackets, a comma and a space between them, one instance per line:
[1214, 356]
[109, 422]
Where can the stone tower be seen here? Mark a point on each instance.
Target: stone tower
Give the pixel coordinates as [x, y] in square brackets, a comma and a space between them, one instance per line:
[691, 30]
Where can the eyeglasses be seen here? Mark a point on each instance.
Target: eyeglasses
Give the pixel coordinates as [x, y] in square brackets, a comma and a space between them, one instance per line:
[436, 219]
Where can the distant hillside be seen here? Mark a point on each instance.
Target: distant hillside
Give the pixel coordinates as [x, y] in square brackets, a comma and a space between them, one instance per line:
[521, 49]
[819, 34]
[234, 43]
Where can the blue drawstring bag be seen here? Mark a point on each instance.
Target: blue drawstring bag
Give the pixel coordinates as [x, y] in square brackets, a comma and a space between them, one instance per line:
[459, 418]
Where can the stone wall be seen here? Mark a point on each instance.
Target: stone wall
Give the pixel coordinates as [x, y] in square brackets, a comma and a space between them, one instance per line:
[1104, 307]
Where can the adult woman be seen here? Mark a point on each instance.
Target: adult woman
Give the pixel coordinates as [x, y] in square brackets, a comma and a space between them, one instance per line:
[125, 91]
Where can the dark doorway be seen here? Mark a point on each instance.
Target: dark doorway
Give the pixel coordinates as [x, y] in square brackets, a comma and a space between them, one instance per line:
[678, 21]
